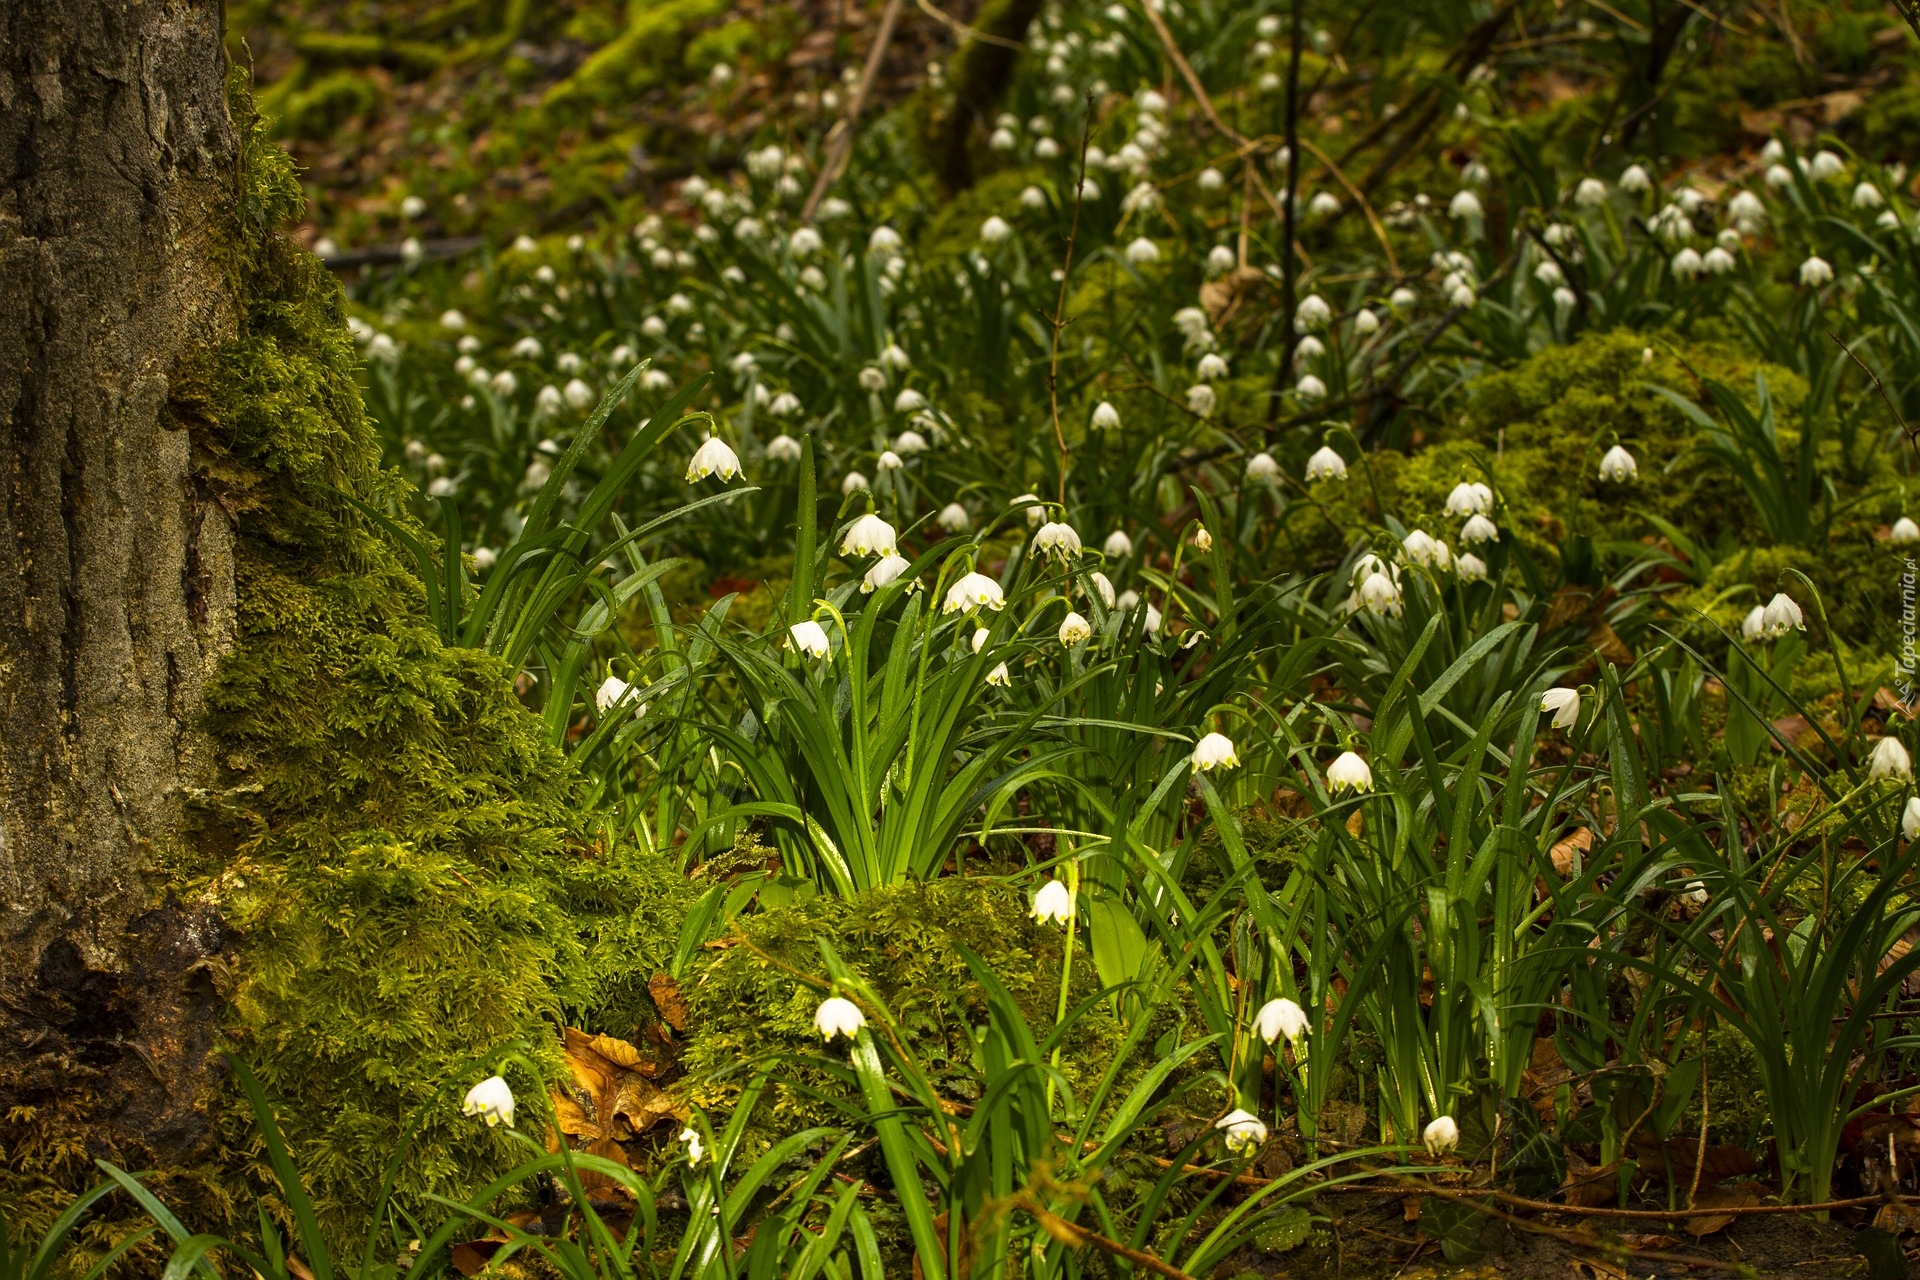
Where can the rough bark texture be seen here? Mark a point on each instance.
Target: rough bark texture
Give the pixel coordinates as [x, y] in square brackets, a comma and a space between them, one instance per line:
[116, 578]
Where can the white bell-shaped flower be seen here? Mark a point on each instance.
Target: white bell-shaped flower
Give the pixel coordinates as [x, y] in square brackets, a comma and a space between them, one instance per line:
[1617, 466]
[1754, 625]
[1465, 204]
[1442, 1135]
[1826, 164]
[1565, 705]
[1056, 538]
[1202, 540]
[854, 483]
[1053, 904]
[1424, 549]
[1590, 194]
[1379, 595]
[869, 536]
[1142, 251]
[809, 638]
[696, 1150]
[838, 1016]
[1311, 387]
[1000, 677]
[1118, 545]
[909, 443]
[994, 230]
[1910, 819]
[1349, 773]
[889, 461]
[1245, 1131]
[1211, 367]
[1074, 629]
[980, 637]
[1325, 464]
[1105, 416]
[1312, 313]
[1471, 568]
[1103, 586]
[610, 692]
[883, 241]
[1470, 498]
[885, 570]
[1904, 532]
[1365, 322]
[491, 1100]
[1214, 751]
[1889, 760]
[1282, 1017]
[1782, 615]
[954, 518]
[1635, 180]
[783, 448]
[974, 591]
[1262, 469]
[1201, 400]
[713, 458]
[1479, 529]
[1816, 271]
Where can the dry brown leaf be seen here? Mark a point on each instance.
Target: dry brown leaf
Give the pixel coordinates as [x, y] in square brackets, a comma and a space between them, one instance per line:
[1355, 822]
[1897, 1218]
[1722, 1161]
[1599, 1269]
[1643, 1240]
[1718, 1198]
[1589, 1186]
[668, 1000]
[1566, 852]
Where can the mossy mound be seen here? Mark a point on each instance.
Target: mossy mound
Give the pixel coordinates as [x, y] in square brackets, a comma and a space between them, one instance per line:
[904, 940]
[403, 853]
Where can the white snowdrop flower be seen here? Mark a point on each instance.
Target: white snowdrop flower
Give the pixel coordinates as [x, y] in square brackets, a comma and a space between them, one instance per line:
[1105, 416]
[528, 348]
[1590, 194]
[1867, 196]
[1191, 321]
[1888, 220]
[1910, 819]
[1211, 179]
[679, 304]
[491, 1100]
[1142, 251]
[884, 240]
[974, 591]
[980, 637]
[1032, 197]
[1349, 773]
[1826, 164]
[1549, 273]
[1211, 367]
[1718, 261]
[1779, 177]
[1782, 615]
[1309, 348]
[869, 536]
[804, 241]
[484, 558]
[478, 376]
[1323, 205]
[1089, 189]
[537, 475]
[453, 319]
[1774, 151]
[547, 401]
[995, 229]
[1365, 322]
[784, 405]
[1422, 549]
[1379, 595]
[382, 348]
[1564, 298]
[1479, 529]
[1310, 388]
[910, 443]
[1074, 629]
[1635, 180]
[660, 380]
[411, 251]
[1035, 512]
[1746, 208]
[696, 1150]
[748, 229]
[1466, 204]
[1565, 705]
[783, 448]
[1096, 156]
[661, 258]
[1047, 148]
[1889, 760]
[1617, 466]
[884, 571]
[1904, 532]
[1402, 298]
[894, 356]
[1244, 1130]
[325, 247]
[1118, 545]
[1312, 313]
[813, 278]
[1262, 469]
[609, 694]
[1057, 539]
[1129, 599]
[1443, 1135]
[838, 1016]
[1214, 751]
[1054, 903]
[1816, 271]
[1103, 586]
[1202, 540]
[1325, 464]
[1144, 197]
[1220, 260]
[1471, 568]
[809, 638]
[1001, 140]
[954, 518]
[1687, 264]
[1753, 627]
[412, 207]
[1151, 626]
[1470, 498]
[503, 383]
[1282, 1017]
[1462, 295]
[1201, 399]
[444, 487]
[1000, 677]
[713, 458]
[909, 401]
[872, 379]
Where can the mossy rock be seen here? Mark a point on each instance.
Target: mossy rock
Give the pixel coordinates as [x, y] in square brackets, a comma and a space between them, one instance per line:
[905, 941]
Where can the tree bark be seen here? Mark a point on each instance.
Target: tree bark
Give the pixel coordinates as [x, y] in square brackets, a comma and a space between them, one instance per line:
[116, 578]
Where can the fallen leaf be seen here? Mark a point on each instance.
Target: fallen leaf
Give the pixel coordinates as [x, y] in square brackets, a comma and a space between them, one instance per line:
[1718, 1198]
[1590, 1186]
[1641, 1240]
[667, 999]
[1567, 854]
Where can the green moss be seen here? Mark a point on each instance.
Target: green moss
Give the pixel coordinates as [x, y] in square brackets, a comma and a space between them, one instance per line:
[399, 847]
[642, 56]
[904, 940]
[331, 101]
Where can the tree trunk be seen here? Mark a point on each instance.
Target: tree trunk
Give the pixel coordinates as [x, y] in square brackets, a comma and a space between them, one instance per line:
[116, 575]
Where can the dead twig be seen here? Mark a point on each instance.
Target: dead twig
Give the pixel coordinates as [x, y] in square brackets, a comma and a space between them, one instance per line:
[840, 137]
